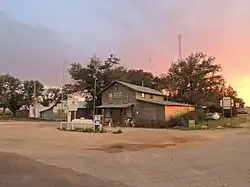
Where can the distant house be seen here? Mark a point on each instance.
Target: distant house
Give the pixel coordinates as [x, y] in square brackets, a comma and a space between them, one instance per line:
[143, 105]
[35, 109]
[59, 111]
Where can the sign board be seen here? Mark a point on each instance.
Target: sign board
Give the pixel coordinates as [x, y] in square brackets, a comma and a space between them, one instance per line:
[72, 104]
[118, 95]
[226, 103]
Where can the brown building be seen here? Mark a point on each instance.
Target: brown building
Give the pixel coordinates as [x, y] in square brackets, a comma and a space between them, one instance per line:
[143, 105]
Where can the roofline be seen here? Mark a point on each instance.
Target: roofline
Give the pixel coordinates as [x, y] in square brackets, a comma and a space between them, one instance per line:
[117, 81]
[57, 104]
[105, 88]
[174, 103]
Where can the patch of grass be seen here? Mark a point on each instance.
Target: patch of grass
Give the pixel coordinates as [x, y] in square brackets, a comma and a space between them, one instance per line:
[22, 119]
[223, 122]
[213, 124]
[87, 130]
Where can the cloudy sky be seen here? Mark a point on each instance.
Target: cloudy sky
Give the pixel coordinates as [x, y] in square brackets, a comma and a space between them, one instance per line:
[38, 36]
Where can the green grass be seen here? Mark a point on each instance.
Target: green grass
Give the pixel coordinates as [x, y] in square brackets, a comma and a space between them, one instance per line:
[213, 124]
[21, 119]
[87, 130]
[223, 122]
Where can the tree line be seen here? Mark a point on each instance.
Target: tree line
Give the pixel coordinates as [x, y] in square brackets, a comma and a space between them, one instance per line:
[196, 79]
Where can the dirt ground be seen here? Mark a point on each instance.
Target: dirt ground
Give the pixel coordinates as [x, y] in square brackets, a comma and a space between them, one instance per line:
[137, 157]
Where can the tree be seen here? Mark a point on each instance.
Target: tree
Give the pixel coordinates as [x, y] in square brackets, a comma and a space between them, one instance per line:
[95, 70]
[240, 101]
[52, 95]
[11, 89]
[28, 88]
[230, 92]
[196, 79]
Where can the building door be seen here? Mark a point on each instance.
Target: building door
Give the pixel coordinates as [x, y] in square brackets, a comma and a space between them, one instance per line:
[116, 116]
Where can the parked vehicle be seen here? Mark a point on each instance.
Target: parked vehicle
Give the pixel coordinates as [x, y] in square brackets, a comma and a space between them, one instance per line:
[242, 111]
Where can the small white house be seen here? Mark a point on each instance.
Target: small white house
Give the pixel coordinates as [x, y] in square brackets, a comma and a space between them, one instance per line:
[34, 112]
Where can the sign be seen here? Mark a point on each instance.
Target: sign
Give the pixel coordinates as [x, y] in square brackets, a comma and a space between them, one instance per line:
[226, 103]
[117, 95]
[72, 104]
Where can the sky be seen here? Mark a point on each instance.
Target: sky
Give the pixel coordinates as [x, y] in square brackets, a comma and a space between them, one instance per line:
[38, 36]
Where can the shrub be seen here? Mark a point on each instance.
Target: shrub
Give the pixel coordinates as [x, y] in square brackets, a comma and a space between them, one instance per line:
[6, 114]
[183, 119]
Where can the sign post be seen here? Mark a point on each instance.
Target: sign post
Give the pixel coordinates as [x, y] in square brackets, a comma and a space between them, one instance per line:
[227, 103]
[72, 106]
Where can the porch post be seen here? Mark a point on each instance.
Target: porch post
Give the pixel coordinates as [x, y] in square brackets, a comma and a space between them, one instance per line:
[122, 116]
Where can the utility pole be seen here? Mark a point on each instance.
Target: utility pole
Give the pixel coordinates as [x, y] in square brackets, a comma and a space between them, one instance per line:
[34, 99]
[63, 77]
[62, 95]
[94, 98]
[150, 64]
[179, 47]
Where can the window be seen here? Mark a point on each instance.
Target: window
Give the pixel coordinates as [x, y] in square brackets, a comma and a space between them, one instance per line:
[116, 87]
[110, 100]
[107, 113]
[151, 96]
[110, 96]
[142, 95]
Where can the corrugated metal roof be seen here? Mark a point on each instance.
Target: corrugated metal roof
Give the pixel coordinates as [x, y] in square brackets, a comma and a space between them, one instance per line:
[140, 88]
[80, 104]
[166, 103]
[115, 106]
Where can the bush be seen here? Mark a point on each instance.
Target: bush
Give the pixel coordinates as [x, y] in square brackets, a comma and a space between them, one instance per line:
[183, 119]
[6, 114]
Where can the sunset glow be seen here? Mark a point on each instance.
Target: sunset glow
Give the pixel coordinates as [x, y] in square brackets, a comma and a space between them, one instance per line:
[41, 36]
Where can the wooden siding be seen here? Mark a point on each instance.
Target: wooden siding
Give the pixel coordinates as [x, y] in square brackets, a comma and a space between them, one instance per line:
[120, 95]
[148, 113]
[48, 115]
[177, 110]
[149, 96]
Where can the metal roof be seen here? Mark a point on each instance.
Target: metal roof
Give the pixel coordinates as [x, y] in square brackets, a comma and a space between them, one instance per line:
[115, 106]
[80, 104]
[140, 88]
[166, 103]
[136, 88]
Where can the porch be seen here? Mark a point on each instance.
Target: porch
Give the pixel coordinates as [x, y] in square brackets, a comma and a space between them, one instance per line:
[117, 114]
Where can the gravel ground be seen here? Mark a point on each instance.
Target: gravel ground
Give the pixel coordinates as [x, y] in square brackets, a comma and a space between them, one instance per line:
[211, 159]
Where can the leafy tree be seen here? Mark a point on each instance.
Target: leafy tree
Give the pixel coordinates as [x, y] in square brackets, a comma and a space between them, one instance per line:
[196, 79]
[140, 77]
[11, 89]
[240, 101]
[95, 70]
[230, 92]
[28, 88]
[52, 95]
